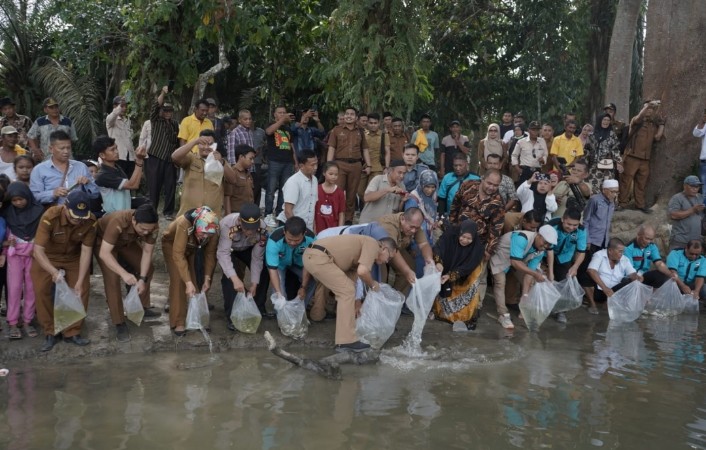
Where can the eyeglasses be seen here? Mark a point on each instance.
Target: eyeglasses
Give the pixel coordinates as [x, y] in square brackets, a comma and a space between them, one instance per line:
[492, 131]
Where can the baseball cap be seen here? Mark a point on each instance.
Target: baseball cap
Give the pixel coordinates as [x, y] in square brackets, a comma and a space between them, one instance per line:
[454, 122]
[250, 216]
[119, 99]
[611, 106]
[167, 107]
[548, 233]
[534, 125]
[77, 201]
[691, 180]
[8, 130]
[6, 101]
[211, 101]
[50, 101]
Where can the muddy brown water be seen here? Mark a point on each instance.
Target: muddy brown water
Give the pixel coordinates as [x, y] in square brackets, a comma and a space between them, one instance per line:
[586, 385]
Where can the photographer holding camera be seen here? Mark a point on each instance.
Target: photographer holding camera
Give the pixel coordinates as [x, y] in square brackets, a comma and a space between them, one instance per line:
[645, 129]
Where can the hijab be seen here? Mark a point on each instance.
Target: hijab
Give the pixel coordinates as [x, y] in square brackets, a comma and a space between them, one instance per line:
[23, 222]
[600, 133]
[457, 258]
[427, 203]
[494, 146]
[203, 220]
[540, 200]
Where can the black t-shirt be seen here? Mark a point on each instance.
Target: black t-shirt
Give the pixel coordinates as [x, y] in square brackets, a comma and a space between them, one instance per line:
[279, 146]
[111, 177]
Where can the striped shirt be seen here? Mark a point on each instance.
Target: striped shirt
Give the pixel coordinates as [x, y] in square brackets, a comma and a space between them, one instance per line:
[239, 135]
[164, 135]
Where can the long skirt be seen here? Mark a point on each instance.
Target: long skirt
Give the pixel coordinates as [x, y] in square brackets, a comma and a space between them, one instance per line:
[462, 304]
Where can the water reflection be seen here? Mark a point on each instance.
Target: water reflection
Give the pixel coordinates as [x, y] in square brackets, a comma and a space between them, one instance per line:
[587, 385]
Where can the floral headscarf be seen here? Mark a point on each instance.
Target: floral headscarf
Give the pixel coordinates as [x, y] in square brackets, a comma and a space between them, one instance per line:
[427, 203]
[204, 220]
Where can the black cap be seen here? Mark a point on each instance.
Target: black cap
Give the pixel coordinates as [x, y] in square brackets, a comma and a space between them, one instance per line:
[455, 122]
[610, 106]
[534, 125]
[6, 101]
[250, 216]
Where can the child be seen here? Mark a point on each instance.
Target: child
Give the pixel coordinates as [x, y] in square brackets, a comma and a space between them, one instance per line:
[330, 208]
[22, 217]
[23, 166]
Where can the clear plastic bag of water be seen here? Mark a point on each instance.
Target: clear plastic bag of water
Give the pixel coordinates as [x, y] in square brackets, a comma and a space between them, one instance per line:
[666, 301]
[627, 304]
[537, 306]
[245, 315]
[691, 304]
[423, 293]
[132, 305]
[291, 316]
[213, 169]
[571, 295]
[379, 315]
[197, 316]
[68, 308]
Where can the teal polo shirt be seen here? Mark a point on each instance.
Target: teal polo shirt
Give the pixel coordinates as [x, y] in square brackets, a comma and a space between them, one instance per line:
[567, 244]
[686, 269]
[642, 258]
[280, 255]
[518, 244]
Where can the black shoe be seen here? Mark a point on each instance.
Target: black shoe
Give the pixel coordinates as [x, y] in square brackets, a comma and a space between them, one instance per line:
[330, 316]
[166, 307]
[230, 326]
[78, 340]
[49, 343]
[150, 312]
[181, 333]
[646, 210]
[406, 311]
[356, 347]
[348, 223]
[3, 311]
[268, 315]
[123, 335]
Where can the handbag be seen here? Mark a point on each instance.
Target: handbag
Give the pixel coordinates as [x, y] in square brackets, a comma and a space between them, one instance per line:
[605, 164]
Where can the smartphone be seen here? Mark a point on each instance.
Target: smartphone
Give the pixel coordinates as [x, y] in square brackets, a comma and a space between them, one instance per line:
[170, 86]
[314, 108]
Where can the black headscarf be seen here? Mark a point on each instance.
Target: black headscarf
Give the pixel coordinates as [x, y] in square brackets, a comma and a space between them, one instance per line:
[540, 200]
[455, 257]
[600, 133]
[23, 222]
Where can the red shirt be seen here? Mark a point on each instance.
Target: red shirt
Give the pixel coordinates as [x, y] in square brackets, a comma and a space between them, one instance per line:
[328, 208]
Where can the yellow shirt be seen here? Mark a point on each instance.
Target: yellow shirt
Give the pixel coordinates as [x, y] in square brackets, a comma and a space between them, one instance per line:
[570, 149]
[190, 128]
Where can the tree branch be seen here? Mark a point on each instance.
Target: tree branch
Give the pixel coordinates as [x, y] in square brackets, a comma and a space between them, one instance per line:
[220, 66]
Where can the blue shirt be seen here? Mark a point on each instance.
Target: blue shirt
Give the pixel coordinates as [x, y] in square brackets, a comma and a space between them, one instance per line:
[304, 137]
[450, 184]
[46, 177]
[686, 269]
[596, 220]
[567, 244]
[428, 156]
[279, 255]
[518, 244]
[642, 258]
[372, 229]
[411, 177]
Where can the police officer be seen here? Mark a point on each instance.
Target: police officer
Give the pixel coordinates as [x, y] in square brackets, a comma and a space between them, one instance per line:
[242, 241]
[64, 241]
[130, 236]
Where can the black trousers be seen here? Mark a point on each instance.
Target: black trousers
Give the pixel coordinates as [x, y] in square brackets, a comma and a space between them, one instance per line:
[584, 278]
[655, 278]
[229, 293]
[161, 176]
[561, 270]
[600, 297]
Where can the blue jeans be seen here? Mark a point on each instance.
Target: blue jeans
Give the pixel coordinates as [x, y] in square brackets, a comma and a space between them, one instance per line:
[702, 176]
[278, 174]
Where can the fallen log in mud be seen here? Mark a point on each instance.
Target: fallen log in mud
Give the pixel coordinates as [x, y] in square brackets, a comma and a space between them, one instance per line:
[328, 367]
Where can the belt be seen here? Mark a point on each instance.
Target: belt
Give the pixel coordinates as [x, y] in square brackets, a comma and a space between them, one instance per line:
[319, 248]
[349, 160]
[703, 161]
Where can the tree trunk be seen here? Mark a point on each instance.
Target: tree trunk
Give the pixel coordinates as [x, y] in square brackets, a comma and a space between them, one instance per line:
[617, 85]
[674, 73]
[602, 19]
[220, 66]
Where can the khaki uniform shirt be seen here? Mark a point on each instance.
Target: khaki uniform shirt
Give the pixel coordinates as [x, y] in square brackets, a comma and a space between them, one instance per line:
[388, 204]
[350, 250]
[640, 145]
[374, 142]
[391, 224]
[241, 192]
[197, 190]
[184, 244]
[397, 144]
[116, 229]
[61, 240]
[349, 144]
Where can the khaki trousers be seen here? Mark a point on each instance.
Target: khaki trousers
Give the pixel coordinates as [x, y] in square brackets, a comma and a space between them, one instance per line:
[500, 282]
[177, 287]
[44, 295]
[132, 255]
[322, 267]
[636, 170]
[349, 180]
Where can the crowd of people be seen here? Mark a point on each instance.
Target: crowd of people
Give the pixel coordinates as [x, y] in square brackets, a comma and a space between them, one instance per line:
[526, 205]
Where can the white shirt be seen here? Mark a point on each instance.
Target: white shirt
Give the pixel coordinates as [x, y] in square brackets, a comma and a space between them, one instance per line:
[302, 192]
[526, 197]
[700, 134]
[120, 129]
[610, 277]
